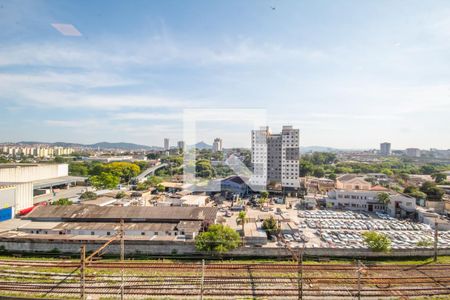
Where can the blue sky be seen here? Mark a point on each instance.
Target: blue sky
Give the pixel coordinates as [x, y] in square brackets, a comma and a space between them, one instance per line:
[349, 74]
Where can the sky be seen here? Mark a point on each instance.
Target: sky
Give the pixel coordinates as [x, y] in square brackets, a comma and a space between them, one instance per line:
[348, 74]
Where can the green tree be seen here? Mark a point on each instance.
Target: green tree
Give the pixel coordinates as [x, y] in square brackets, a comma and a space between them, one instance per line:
[62, 201]
[428, 169]
[319, 172]
[204, 169]
[88, 196]
[306, 168]
[425, 243]
[242, 218]
[124, 170]
[384, 198]
[264, 194]
[78, 169]
[153, 156]
[120, 195]
[387, 172]
[154, 180]
[218, 239]
[332, 176]
[433, 192]
[377, 242]
[105, 181]
[160, 188]
[270, 226]
[439, 177]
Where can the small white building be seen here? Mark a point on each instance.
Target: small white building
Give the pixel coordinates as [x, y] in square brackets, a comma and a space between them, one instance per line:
[399, 205]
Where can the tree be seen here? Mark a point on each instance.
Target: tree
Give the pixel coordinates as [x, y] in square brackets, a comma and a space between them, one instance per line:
[332, 176]
[270, 226]
[160, 188]
[62, 201]
[124, 170]
[121, 195]
[425, 243]
[377, 242]
[217, 239]
[414, 192]
[242, 218]
[433, 192]
[439, 177]
[264, 194]
[319, 172]
[154, 180]
[428, 169]
[264, 198]
[306, 167]
[105, 181]
[387, 172]
[153, 155]
[204, 169]
[88, 196]
[384, 198]
[78, 169]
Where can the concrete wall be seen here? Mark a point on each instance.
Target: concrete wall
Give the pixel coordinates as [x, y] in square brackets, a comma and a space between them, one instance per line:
[24, 195]
[28, 173]
[188, 248]
[7, 196]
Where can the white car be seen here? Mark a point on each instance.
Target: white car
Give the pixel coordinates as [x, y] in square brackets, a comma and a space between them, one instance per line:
[288, 237]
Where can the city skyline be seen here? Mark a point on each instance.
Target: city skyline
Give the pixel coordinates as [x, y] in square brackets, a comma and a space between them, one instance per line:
[82, 72]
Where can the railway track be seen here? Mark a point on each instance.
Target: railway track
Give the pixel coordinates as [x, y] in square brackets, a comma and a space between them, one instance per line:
[216, 266]
[224, 281]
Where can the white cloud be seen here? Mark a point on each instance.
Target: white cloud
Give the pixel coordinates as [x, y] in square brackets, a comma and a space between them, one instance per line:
[134, 116]
[67, 29]
[105, 102]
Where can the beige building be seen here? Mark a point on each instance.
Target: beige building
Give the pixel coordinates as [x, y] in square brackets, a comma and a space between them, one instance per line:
[352, 182]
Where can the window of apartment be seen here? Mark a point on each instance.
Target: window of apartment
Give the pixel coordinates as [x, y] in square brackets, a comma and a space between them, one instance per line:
[108, 233]
[92, 233]
[142, 233]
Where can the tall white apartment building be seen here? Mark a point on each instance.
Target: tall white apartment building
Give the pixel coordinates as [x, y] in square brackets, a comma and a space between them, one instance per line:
[276, 157]
[166, 144]
[259, 156]
[217, 145]
[385, 149]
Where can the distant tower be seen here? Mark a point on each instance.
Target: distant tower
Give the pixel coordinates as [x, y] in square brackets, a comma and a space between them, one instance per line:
[217, 145]
[385, 149]
[166, 144]
[181, 145]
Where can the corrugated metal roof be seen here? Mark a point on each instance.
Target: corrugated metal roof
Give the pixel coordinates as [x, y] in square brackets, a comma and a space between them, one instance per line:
[130, 213]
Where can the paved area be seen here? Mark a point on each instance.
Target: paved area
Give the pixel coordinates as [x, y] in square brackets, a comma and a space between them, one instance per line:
[63, 193]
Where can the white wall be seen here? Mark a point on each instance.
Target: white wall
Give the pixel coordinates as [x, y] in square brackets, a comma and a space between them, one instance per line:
[31, 173]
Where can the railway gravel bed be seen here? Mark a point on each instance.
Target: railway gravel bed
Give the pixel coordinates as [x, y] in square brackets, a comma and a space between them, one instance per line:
[224, 281]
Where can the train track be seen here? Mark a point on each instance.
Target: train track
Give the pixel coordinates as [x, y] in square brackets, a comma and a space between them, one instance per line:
[224, 281]
[216, 266]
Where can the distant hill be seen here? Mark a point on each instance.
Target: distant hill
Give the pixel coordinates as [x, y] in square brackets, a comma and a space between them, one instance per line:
[122, 146]
[203, 145]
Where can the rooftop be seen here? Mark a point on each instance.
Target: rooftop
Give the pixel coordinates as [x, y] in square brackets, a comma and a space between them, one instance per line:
[130, 213]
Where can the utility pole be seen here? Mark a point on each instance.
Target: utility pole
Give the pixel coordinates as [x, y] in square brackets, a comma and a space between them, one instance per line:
[435, 239]
[202, 279]
[122, 257]
[300, 272]
[82, 272]
[360, 268]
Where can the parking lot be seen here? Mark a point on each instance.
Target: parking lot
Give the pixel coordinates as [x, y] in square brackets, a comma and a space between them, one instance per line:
[341, 229]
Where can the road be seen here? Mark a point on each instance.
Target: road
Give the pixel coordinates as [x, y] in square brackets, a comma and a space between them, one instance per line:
[69, 193]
